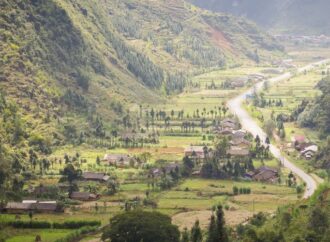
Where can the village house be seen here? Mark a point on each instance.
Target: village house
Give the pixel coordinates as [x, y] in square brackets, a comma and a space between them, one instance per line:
[237, 82]
[264, 174]
[93, 176]
[309, 151]
[228, 123]
[33, 205]
[84, 196]
[299, 142]
[256, 77]
[239, 134]
[120, 160]
[238, 151]
[155, 172]
[195, 152]
[241, 143]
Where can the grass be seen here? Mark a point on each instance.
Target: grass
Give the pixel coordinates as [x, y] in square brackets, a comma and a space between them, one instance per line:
[29, 235]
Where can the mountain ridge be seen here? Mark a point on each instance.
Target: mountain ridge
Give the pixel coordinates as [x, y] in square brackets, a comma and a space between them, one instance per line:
[285, 16]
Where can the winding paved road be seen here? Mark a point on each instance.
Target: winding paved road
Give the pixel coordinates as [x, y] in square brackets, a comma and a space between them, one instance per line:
[235, 107]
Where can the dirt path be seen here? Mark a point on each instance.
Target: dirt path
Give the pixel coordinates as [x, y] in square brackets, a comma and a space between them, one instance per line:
[235, 106]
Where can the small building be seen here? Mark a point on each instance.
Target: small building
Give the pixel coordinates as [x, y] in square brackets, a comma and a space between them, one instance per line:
[265, 174]
[238, 151]
[238, 82]
[120, 160]
[84, 196]
[195, 152]
[309, 151]
[33, 205]
[299, 141]
[240, 142]
[155, 172]
[226, 131]
[93, 176]
[239, 134]
[16, 207]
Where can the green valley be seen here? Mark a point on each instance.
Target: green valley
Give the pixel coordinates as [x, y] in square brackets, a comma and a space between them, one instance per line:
[117, 124]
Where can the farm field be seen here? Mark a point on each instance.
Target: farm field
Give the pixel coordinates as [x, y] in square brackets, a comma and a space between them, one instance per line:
[191, 198]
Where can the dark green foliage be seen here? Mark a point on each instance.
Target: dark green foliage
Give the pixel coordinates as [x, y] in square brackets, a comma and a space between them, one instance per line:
[76, 224]
[258, 219]
[196, 234]
[137, 63]
[136, 226]
[318, 220]
[185, 235]
[316, 114]
[221, 232]
[70, 173]
[212, 231]
[30, 224]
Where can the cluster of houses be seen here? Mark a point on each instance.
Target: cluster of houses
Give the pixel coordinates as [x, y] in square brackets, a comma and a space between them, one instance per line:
[284, 64]
[239, 145]
[239, 82]
[119, 160]
[306, 148]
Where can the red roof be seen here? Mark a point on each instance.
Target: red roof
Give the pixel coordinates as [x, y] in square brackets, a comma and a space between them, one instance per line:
[299, 138]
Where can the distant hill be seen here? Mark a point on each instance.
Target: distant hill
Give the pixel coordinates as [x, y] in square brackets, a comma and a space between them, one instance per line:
[299, 16]
[77, 66]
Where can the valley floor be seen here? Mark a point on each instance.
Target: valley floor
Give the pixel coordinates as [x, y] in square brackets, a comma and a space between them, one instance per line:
[191, 198]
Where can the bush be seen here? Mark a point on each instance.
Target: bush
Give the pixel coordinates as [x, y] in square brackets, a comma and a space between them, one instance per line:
[30, 224]
[76, 224]
[141, 226]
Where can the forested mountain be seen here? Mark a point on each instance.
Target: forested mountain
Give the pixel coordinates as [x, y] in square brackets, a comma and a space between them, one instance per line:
[299, 16]
[78, 64]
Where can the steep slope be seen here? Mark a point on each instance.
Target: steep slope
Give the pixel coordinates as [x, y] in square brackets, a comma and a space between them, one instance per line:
[71, 65]
[299, 16]
[308, 220]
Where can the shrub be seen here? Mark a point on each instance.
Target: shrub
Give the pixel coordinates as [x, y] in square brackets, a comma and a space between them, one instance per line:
[75, 224]
[30, 224]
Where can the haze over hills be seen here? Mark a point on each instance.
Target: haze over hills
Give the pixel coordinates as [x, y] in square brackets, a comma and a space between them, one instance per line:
[87, 60]
[298, 16]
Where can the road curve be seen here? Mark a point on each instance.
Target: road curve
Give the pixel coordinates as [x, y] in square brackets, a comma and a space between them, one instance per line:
[235, 107]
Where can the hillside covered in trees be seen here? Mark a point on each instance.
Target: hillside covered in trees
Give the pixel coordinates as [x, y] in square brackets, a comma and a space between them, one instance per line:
[298, 16]
[85, 63]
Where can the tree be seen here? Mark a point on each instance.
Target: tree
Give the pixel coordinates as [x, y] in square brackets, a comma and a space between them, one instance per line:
[269, 127]
[185, 235]
[70, 173]
[188, 165]
[98, 160]
[137, 226]
[196, 233]
[220, 223]
[318, 220]
[212, 231]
